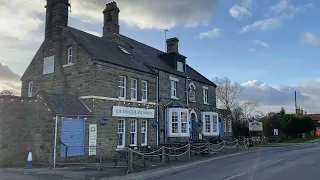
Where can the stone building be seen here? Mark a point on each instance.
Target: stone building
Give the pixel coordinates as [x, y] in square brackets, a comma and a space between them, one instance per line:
[113, 91]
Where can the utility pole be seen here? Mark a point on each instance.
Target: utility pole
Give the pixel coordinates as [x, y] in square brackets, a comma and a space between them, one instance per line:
[295, 101]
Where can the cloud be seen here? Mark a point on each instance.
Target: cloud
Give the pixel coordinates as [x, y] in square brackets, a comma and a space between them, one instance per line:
[149, 14]
[261, 43]
[251, 49]
[272, 98]
[310, 38]
[9, 80]
[215, 32]
[279, 12]
[262, 25]
[237, 12]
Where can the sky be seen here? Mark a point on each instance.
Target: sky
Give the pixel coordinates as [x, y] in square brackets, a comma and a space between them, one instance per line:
[270, 47]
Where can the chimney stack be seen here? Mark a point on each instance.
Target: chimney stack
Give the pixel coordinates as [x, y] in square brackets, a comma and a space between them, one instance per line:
[111, 20]
[56, 17]
[172, 45]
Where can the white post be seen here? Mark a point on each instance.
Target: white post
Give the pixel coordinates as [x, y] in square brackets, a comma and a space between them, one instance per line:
[55, 142]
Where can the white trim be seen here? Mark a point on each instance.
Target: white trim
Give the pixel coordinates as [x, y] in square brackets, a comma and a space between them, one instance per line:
[55, 141]
[134, 89]
[146, 133]
[174, 79]
[205, 87]
[135, 132]
[67, 65]
[212, 133]
[205, 94]
[179, 133]
[125, 87]
[192, 111]
[123, 134]
[146, 90]
[115, 99]
[224, 125]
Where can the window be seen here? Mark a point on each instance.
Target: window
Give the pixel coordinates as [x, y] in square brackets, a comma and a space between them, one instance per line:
[48, 65]
[133, 89]
[207, 123]
[173, 89]
[205, 95]
[210, 123]
[70, 55]
[180, 66]
[230, 125]
[121, 133]
[178, 122]
[30, 88]
[224, 125]
[122, 87]
[124, 50]
[144, 134]
[144, 90]
[133, 133]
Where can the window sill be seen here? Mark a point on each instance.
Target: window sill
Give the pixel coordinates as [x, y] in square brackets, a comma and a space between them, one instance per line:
[174, 98]
[193, 101]
[134, 100]
[67, 65]
[122, 98]
[143, 144]
[178, 135]
[120, 148]
[206, 103]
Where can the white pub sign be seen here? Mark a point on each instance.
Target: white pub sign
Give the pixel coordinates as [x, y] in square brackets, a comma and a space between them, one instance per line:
[92, 139]
[121, 111]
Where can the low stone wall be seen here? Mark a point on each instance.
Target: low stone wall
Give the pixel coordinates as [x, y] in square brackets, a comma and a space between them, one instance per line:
[25, 123]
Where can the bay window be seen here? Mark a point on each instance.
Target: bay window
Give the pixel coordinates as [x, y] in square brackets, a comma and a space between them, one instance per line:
[121, 133]
[210, 124]
[178, 122]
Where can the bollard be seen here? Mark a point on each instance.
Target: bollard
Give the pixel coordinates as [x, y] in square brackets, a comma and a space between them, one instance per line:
[130, 161]
[163, 155]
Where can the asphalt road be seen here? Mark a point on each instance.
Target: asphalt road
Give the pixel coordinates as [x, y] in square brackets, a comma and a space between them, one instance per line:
[294, 163]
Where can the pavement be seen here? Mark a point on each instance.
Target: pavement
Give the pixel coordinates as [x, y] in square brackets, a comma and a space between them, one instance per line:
[257, 163]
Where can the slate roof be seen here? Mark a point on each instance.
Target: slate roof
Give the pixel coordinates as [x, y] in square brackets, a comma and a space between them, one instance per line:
[65, 104]
[141, 57]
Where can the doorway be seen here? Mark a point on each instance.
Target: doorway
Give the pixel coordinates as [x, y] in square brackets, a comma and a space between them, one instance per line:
[193, 125]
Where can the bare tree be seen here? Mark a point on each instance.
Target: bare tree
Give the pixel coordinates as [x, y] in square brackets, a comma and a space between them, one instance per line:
[6, 93]
[227, 92]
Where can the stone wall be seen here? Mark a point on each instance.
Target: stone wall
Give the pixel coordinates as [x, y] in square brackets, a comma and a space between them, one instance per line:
[71, 79]
[25, 123]
[107, 134]
[165, 99]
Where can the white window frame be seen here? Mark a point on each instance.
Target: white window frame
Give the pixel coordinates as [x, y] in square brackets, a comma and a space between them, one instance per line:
[70, 53]
[48, 65]
[30, 88]
[212, 132]
[205, 94]
[230, 125]
[173, 90]
[179, 133]
[144, 132]
[123, 133]
[224, 125]
[122, 87]
[144, 91]
[134, 90]
[134, 132]
[180, 66]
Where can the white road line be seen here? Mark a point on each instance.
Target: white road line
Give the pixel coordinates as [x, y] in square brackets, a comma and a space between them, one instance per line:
[232, 177]
[273, 162]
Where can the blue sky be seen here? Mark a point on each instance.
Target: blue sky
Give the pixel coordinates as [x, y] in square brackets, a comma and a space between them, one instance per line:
[268, 46]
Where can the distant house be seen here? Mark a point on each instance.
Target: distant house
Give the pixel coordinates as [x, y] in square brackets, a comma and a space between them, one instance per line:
[316, 120]
[128, 93]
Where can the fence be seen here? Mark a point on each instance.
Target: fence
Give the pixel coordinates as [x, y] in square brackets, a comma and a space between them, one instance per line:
[130, 159]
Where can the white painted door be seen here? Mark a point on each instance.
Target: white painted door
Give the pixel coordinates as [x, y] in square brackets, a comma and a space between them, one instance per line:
[30, 88]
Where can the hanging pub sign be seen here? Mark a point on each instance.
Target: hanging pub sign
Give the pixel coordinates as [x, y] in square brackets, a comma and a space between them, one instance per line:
[192, 92]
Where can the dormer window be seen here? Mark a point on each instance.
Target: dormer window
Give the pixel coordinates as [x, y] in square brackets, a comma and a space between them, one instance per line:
[124, 50]
[180, 66]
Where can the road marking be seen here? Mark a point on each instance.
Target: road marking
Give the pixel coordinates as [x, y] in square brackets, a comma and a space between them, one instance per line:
[273, 162]
[232, 177]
